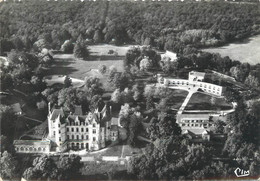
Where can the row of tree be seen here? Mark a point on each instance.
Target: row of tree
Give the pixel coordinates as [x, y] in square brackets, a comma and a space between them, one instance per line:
[160, 24]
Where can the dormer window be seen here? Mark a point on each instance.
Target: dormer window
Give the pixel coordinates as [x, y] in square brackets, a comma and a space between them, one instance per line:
[94, 125]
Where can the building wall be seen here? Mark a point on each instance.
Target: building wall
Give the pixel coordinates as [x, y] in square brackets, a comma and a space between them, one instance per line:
[206, 87]
[186, 123]
[32, 148]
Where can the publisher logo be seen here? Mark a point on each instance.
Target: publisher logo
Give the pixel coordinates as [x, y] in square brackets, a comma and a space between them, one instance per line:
[241, 173]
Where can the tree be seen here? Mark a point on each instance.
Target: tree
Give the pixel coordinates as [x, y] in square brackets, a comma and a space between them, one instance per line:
[67, 98]
[149, 102]
[252, 81]
[134, 128]
[93, 86]
[17, 42]
[67, 82]
[8, 119]
[127, 95]
[96, 103]
[67, 47]
[80, 49]
[38, 84]
[69, 167]
[116, 96]
[8, 166]
[137, 92]
[219, 127]
[102, 69]
[145, 64]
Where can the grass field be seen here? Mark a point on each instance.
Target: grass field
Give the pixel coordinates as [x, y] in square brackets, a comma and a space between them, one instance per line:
[247, 51]
[201, 101]
[66, 64]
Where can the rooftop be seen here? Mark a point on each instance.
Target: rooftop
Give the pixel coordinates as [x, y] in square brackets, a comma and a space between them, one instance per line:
[16, 107]
[31, 142]
[56, 113]
[202, 74]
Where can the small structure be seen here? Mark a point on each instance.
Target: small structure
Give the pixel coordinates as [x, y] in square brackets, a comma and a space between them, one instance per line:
[41, 105]
[114, 133]
[17, 109]
[32, 146]
[172, 56]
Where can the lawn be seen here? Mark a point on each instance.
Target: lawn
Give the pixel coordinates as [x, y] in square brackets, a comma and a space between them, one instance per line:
[67, 64]
[247, 51]
[175, 96]
[200, 101]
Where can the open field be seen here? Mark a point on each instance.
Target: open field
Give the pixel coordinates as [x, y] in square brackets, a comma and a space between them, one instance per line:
[246, 51]
[200, 101]
[67, 64]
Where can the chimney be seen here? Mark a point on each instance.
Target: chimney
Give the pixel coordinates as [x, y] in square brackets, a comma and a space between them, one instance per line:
[49, 107]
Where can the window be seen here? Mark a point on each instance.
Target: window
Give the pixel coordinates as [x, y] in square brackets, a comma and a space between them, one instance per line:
[192, 124]
[59, 131]
[94, 131]
[59, 138]
[86, 137]
[94, 125]
[39, 149]
[183, 124]
[77, 123]
[196, 125]
[72, 137]
[77, 137]
[59, 124]
[82, 129]
[86, 129]
[82, 137]
[54, 133]
[77, 129]
[94, 138]
[72, 129]
[68, 129]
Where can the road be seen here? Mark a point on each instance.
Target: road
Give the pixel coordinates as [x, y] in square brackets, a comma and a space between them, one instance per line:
[185, 102]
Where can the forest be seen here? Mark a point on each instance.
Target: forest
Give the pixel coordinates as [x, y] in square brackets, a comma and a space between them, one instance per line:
[164, 25]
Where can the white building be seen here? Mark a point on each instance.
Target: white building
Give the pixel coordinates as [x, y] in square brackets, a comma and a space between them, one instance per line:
[74, 131]
[172, 56]
[78, 131]
[196, 125]
[195, 82]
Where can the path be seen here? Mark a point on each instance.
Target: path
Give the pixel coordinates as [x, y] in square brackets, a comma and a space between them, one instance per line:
[20, 92]
[32, 119]
[185, 102]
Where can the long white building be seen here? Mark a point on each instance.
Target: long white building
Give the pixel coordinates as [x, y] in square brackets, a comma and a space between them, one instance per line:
[75, 131]
[195, 81]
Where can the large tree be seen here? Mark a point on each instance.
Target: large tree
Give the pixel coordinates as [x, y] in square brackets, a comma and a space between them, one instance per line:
[8, 166]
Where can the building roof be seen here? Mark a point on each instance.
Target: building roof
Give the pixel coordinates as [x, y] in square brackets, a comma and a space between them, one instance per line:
[31, 142]
[114, 128]
[56, 113]
[114, 121]
[78, 110]
[195, 116]
[171, 55]
[202, 74]
[195, 131]
[16, 107]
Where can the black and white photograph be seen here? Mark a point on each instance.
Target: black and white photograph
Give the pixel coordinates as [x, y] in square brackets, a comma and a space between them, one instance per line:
[134, 90]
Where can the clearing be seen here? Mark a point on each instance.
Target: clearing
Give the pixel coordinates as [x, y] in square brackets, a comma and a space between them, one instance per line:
[200, 101]
[247, 51]
[67, 64]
